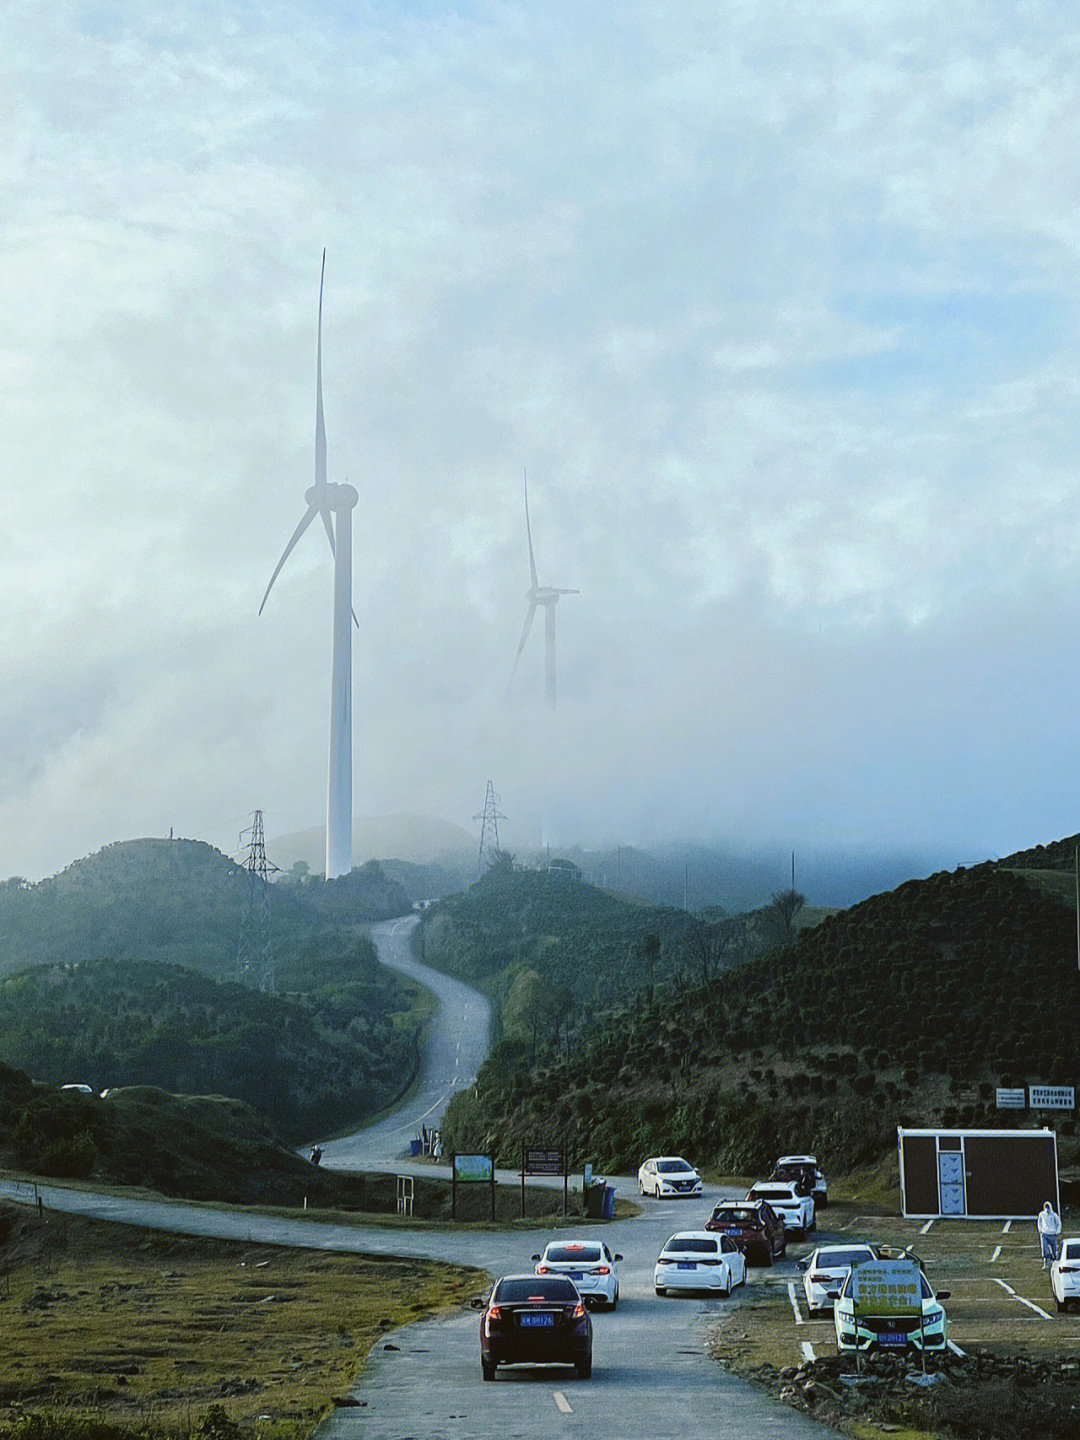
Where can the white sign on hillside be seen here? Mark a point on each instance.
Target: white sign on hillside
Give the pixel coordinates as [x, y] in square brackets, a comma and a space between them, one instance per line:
[1011, 1099]
[1051, 1097]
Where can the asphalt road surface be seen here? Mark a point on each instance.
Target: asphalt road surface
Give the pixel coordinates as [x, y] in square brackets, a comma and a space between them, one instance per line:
[651, 1375]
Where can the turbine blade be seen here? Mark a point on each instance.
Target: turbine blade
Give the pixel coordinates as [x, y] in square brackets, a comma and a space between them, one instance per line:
[320, 425]
[304, 523]
[525, 630]
[528, 531]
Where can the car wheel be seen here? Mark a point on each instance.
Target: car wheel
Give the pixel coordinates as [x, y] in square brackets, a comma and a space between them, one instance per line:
[614, 1299]
[725, 1293]
[488, 1367]
[768, 1258]
[641, 1186]
[660, 1290]
[584, 1367]
[1061, 1306]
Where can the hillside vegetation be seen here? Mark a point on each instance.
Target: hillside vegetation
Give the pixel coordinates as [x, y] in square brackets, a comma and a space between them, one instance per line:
[882, 1014]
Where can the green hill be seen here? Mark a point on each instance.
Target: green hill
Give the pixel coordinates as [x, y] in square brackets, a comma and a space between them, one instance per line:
[896, 1010]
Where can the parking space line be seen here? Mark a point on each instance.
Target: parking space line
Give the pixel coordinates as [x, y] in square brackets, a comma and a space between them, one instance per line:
[1029, 1303]
[807, 1350]
[997, 1252]
[926, 1228]
[794, 1303]
[956, 1349]
[1006, 1227]
[851, 1223]
[561, 1403]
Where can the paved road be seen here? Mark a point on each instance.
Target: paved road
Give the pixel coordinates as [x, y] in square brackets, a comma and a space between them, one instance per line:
[651, 1376]
[458, 1039]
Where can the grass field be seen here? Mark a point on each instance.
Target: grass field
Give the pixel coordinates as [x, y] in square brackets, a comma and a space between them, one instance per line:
[122, 1326]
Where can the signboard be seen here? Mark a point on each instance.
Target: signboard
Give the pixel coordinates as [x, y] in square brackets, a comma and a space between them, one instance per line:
[968, 1097]
[1051, 1097]
[887, 1287]
[1011, 1099]
[541, 1161]
[468, 1168]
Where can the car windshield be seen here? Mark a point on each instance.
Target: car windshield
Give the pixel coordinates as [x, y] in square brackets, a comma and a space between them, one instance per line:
[534, 1287]
[770, 1192]
[686, 1244]
[736, 1216]
[674, 1167]
[836, 1259]
[572, 1254]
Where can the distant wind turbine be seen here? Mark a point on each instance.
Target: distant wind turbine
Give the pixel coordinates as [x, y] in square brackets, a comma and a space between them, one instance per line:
[548, 597]
[334, 505]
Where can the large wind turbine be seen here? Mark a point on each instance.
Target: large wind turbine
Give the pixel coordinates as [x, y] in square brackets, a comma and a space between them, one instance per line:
[334, 504]
[548, 597]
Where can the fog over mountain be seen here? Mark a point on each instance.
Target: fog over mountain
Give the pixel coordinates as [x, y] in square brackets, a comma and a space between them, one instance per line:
[778, 307]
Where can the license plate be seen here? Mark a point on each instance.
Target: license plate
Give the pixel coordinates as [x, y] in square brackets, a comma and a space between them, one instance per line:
[537, 1321]
[577, 1275]
[893, 1337]
[731, 1232]
[686, 1265]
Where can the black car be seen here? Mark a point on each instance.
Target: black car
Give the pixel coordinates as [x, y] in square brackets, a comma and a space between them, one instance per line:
[535, 1320]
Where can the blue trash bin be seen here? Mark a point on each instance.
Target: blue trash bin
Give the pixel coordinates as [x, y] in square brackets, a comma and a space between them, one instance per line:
[609, 1202]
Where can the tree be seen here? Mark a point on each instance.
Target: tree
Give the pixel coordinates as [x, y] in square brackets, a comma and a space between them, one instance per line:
[782, 909]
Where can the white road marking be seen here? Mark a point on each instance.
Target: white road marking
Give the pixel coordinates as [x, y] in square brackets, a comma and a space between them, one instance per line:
[1006, 1227]
[956, 1349]
[1029, 1303]
[851, 1223]
[808, 1350]
[562, 1403]
[926, 1227]
[794, 1303]
[997, 1252]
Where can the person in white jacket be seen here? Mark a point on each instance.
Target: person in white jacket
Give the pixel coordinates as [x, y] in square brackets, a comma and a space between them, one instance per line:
[1049, 1227]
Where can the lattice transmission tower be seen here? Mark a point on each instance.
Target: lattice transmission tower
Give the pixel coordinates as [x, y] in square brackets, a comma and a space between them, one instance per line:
[489, 819]
[254, 952]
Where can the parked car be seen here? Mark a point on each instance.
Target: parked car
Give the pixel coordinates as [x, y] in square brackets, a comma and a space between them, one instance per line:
[826, 1270]
[534, 1320]
[891, 1332]
[1065, 1274]
[754, 1226]
[699, 1260]
[797, 1210]
[590, 1264]
[668, 1175]
[806, 1173]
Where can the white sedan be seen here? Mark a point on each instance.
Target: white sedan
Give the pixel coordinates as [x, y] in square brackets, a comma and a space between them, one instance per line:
[1065, 1274]
[590, 1264]
[668, 1175]
[699, 1260]
[826, 1270]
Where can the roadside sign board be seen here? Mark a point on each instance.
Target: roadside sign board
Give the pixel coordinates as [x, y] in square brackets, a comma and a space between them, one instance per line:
[1011, 1099]
[470, 1168]
[887, 1287]
[1051, 1097]
[539, 1160]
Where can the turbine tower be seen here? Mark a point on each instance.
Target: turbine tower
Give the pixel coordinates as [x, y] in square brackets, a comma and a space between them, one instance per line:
[334, 505]
[548, 597]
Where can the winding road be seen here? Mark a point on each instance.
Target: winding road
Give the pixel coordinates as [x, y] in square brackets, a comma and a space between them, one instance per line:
[651, 1377]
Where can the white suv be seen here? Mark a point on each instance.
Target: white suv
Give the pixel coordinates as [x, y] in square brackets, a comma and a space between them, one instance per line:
[807, 1174]
[796, 1211]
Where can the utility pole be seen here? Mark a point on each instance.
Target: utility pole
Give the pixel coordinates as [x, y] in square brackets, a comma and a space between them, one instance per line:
[254, 952]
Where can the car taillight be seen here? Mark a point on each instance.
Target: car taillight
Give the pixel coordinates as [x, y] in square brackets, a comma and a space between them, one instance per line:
[603, 1270]
[494, 1313]
[578, 1312]
[1068, 1269]
[542, 1270]
[819, 1279]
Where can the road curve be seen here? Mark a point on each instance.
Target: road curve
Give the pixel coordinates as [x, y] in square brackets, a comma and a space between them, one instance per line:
[457, 1042]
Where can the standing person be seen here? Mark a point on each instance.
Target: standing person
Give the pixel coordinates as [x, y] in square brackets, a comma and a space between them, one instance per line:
[1049, 1228]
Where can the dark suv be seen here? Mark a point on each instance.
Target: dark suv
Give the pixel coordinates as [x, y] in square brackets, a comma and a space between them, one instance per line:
[754, 1226]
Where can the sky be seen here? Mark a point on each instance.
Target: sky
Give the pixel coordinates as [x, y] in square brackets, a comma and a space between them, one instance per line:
[776, 304]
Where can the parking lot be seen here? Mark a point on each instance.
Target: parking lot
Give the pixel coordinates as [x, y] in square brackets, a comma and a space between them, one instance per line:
[1000, 1299]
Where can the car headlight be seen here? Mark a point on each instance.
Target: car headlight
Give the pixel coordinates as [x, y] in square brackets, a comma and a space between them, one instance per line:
[933, 1317]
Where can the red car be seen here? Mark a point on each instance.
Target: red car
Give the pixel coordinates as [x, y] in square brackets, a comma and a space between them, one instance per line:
[754, 1226]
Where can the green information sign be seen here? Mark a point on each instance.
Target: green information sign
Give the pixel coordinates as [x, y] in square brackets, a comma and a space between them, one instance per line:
[887, 1288]
[468, 1168]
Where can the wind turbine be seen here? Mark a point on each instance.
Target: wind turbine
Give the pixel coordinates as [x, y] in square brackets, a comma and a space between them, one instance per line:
[334, 505]
[548, 597]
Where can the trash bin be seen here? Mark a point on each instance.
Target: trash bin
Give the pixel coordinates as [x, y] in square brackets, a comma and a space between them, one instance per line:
[414, 1147]
[594, 1201]
[609, 1202]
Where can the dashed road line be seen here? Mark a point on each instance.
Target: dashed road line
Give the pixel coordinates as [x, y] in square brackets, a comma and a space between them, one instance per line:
[1029, 1303]
[997, 1252]
[794, 1303]
[561, 1403]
